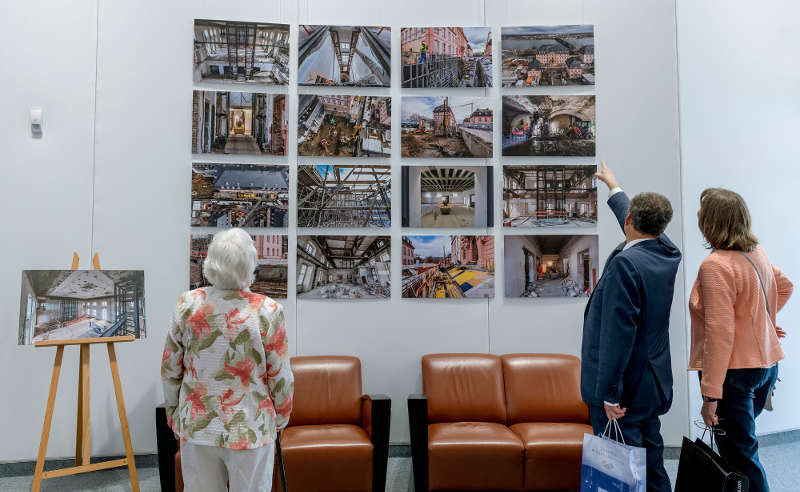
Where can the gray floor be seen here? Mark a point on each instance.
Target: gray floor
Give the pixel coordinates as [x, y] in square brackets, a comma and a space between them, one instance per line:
[780, 461]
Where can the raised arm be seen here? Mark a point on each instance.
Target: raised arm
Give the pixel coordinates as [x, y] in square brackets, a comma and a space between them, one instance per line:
[618, 201]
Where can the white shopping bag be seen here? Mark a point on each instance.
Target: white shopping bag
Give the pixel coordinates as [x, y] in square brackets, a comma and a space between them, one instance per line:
[612, 466]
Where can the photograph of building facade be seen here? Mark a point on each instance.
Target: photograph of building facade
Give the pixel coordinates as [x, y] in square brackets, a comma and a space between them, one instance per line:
[243, 52]
[548, 125]
[343, 267]
[458, 126]
[448, 267]
[70, 304]
[272, 266]
[549, 196]
[446, 56]
[240, 195]
[344, 126]
[453, 196]
[547, 55]
[344, 55]
[551, 265]
[239, 123]
[351, 195]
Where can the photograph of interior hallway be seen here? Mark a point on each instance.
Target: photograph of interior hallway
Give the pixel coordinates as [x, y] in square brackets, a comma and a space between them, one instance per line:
[551, 265]
[451, 197]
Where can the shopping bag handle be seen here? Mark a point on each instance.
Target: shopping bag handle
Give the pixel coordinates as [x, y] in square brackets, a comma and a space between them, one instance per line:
[613, 425]
[711, 430]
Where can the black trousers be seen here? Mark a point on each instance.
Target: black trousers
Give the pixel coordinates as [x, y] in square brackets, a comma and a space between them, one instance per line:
[646, 434]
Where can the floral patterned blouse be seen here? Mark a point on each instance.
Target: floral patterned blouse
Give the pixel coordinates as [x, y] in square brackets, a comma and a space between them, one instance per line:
[225, 369]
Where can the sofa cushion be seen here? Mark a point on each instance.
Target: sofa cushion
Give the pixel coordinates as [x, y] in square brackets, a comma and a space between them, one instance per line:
[474, 456]
[543, 388]
[334, 458]
[327, 390]
[552, 454]
[464, 388]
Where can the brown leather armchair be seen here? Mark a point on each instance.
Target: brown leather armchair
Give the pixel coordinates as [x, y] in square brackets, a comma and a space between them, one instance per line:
[486, 422]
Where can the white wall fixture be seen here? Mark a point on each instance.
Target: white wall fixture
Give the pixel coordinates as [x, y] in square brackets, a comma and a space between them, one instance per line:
[36, 122]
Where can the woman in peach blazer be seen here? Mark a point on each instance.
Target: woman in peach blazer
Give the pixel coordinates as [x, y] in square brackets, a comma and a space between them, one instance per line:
[735, 341]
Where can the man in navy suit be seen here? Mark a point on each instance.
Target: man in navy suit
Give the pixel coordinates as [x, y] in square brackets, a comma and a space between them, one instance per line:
[626, 372]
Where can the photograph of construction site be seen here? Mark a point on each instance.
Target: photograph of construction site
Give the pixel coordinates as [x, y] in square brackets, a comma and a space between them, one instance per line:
[70, 304]
[344, 126]
[272, 267]
[344, 55]
[443, 267]
[549, 196]
[239, 123]
[454, 196]
[343, 267]
[240, 195]
[547, 55]
[551, 265]
[446, 57]
[458, 126]
[242, 52]
[548, 125]
[344, 196]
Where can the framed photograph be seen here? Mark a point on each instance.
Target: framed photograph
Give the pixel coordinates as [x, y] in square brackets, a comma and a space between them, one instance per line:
[446, 57]
[71, 304]
[344, 126]
[548, 125]
[343, 267]
[547, 55]
[351, 195]
[357, 56]
[447, 126]
[444, 267]
[549, 196]
[448, 196]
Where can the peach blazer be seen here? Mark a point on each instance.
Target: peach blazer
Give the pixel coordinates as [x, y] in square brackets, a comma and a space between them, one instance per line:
[730, 325]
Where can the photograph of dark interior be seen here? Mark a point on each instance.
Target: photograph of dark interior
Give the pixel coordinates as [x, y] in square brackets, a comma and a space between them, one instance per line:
[548, 125]
[447, 196]
[71, 304]
[352, 195]
[344, 55]
[239, 123]
[343, 267]
[550, 265]
[547, 55]
[549, 196]
[242, 52]
[344, 126]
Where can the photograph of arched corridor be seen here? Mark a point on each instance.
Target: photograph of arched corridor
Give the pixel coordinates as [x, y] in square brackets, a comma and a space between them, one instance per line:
[549, 196]
[447, 196]
[344, 267]
[548, 125]
[344, 55]
[443, 267]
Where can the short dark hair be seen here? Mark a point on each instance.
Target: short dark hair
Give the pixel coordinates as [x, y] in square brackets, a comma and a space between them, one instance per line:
[650, 213]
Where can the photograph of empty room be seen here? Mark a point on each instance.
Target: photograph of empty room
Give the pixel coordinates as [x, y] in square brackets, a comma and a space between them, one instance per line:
[344, 55]
[242, 52]
[447, 196]
[70, 304]
[343, 267]
[445, 267]
[351, 195]
[551, 265]
[549, 196]
[272, 267]
[239, 123]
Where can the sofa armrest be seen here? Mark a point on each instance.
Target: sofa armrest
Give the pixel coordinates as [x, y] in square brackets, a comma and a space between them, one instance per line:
[418, 426]
[167, 447]
[376, 414]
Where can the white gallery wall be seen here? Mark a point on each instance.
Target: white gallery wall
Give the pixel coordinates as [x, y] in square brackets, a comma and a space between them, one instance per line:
[131, 202]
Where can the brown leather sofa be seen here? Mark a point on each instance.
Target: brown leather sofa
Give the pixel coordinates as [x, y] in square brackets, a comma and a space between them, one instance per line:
[487, 422]
[337, 439]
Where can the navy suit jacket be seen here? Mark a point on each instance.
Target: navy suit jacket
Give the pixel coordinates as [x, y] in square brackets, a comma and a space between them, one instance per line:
[625, 352]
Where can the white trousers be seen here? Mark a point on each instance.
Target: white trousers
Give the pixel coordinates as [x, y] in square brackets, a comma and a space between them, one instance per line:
[209, 468]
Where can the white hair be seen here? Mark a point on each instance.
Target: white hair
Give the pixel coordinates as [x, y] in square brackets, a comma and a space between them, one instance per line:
[231, 260]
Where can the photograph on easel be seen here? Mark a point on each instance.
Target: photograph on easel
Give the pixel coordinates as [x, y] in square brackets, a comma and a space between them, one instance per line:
[74, 304]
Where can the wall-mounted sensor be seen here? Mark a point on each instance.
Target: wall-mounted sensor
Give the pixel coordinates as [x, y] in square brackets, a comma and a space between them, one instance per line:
[36, 122]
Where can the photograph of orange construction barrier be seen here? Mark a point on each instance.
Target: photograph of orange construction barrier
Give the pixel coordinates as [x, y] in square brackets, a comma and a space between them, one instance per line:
[549, 196]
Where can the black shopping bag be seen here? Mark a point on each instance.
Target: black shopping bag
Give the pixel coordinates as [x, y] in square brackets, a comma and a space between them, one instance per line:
[701, 468]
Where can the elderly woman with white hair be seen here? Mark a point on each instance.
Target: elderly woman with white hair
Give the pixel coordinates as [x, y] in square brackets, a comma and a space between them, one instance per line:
[227, 382]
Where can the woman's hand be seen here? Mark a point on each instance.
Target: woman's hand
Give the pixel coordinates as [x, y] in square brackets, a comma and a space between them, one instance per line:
[780, 332]
[709, 413]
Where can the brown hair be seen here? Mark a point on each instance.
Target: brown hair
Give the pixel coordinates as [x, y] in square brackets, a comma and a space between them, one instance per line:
[650, 213]
[725, 220]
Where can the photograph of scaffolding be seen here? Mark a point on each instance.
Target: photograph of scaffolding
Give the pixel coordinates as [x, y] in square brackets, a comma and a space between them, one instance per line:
[70, 304]
[240, 195]
[272, 266]
[242, 52]
[344, 55]
[548, 125]
[239, 123]
[551, 265]
[344, 126]
[444, 267]
[549, 196]
[547, 55]
[458, 126]
[344, 196]
[446, 57]
[343, 267]
[453, 196]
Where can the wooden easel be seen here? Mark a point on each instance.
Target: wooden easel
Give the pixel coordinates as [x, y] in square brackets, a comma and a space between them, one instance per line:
[83, 442]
